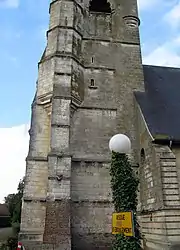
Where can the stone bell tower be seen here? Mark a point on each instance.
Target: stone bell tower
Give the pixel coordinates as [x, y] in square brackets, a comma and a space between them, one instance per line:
[87, 75]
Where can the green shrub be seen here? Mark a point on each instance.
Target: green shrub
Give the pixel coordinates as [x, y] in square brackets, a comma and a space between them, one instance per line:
[12, 242]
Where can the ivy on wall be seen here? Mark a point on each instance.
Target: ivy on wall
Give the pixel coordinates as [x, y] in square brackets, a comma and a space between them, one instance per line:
[124, 186]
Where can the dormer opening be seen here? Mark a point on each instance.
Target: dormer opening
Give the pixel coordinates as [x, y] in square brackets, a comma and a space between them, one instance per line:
[102, 6]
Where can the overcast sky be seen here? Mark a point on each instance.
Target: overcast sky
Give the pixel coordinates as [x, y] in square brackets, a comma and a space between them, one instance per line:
[23, 24]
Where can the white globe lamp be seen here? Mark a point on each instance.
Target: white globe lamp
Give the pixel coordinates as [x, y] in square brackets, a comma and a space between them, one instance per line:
[120, 144]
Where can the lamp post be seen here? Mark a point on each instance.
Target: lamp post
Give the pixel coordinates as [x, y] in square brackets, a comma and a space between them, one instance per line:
[124, 185]
[120, 144]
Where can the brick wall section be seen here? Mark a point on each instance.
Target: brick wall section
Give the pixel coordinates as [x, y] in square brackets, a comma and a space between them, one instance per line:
[57, 230]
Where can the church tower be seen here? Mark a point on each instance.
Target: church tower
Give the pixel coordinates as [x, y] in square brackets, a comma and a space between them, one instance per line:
[87, 75]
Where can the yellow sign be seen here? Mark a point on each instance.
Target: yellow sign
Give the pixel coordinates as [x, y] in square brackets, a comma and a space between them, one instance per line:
[122, 223]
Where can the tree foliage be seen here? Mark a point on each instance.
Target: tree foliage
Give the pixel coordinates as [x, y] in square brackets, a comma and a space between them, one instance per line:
[14, 202]
[124, 186]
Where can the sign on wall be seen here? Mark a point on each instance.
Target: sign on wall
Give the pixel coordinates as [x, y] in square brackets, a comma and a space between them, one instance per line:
[122, 223]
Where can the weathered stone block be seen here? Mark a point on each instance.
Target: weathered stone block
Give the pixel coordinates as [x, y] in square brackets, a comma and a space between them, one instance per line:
[57, 225]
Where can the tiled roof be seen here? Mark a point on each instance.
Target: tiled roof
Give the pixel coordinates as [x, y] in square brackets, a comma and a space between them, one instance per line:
[4, 210]
[160, 103]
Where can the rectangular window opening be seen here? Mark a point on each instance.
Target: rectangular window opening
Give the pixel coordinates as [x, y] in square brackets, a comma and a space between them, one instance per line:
[92, 83]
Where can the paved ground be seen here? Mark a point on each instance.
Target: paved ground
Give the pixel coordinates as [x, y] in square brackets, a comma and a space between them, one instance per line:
[5, 233]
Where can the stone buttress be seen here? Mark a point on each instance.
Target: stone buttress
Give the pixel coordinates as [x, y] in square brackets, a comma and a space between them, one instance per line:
[46, 201]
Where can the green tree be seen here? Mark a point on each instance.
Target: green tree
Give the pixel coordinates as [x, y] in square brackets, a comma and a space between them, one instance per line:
[14, 202]
[124, 186]
[11, 200]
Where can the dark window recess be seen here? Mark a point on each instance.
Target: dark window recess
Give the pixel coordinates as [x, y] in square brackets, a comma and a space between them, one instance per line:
[66, 21]
[100, 6]
[143, 156]
[92, 59]
[92, 83]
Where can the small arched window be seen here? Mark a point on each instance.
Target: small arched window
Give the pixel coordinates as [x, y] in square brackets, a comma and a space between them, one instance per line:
[143, 157]
[100, 6]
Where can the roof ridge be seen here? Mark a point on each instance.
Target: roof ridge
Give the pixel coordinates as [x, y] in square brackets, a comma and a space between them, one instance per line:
[160, 66]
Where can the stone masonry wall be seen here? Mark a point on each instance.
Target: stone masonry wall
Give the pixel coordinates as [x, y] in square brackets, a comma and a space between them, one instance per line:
[67, 92]
[88, 77]
[159, 192]
[34, 207]
[112, 71]
[91, 199]
[160, 225]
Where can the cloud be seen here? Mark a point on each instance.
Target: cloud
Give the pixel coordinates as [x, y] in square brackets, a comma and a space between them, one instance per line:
[13, 151]
[147, 4]
[173, 16]
[9, 3]
[165, 55]
[161, 46]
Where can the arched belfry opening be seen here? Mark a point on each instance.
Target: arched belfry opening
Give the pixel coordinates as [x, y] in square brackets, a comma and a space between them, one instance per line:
[100, 6]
